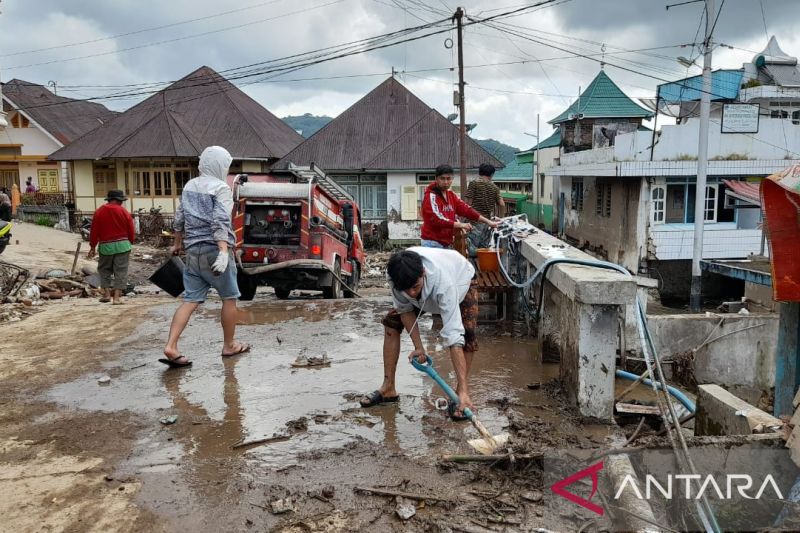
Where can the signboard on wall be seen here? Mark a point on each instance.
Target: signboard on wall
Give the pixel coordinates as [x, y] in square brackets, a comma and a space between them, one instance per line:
[740, 118]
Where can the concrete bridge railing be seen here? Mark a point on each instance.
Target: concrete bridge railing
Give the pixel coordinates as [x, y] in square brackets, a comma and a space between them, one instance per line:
[583, 310]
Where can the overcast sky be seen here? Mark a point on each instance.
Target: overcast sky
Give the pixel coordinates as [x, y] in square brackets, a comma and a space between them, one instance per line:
[502, 98]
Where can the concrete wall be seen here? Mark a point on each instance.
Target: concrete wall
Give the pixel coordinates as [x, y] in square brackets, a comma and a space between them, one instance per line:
[742, 360]
[721, 240]
[582, 311]
[619, 238]
[774, 139]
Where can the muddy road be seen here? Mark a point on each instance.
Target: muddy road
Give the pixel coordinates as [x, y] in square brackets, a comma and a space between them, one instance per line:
[81, 455]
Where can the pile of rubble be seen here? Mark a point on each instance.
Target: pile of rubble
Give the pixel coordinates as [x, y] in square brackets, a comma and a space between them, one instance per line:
[19, 295]
[376, 264]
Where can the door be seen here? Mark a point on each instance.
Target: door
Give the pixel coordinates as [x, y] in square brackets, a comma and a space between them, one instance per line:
[48, 181]
[9, 178]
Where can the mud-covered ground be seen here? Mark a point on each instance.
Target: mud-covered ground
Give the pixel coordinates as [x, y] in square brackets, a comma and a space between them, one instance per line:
[80, 455]
[83, 446]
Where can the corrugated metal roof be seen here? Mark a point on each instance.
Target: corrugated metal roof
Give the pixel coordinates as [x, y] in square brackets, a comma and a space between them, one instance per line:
[725, 85]
[388, 129]
[783, 75]
[603, 99]
[743, 190]
[66, 119]
[200, 110]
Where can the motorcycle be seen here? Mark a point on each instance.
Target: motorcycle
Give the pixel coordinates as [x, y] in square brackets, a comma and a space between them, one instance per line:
[5, 234]
[85, 228]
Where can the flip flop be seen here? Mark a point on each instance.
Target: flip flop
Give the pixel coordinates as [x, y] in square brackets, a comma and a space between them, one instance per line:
[377, 398]
[243, 348]
[173, 363]
[105, 300]
[451, 411]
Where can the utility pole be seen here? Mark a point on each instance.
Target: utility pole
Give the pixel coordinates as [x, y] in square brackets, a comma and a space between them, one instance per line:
[3, 121]
[702, 164]
[462, 127]
[537, 182]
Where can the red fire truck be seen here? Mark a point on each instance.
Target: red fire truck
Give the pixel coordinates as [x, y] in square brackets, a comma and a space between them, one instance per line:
[298, 230]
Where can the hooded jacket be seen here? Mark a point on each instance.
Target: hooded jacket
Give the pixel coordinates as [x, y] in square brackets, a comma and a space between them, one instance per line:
[446, 281]
[439, 211]
[204, 213]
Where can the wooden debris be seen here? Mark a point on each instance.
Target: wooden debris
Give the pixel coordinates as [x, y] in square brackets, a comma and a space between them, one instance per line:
[636, 409]
[490, 458]
[394, 493]
[266, 440]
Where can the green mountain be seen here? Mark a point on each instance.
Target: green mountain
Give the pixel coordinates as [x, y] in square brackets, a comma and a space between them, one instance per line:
[503, 152]
[307, 124]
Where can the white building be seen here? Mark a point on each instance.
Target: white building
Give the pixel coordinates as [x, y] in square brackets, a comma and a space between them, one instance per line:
[644, 182]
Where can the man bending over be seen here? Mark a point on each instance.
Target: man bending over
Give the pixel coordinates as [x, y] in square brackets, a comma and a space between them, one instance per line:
[437, 281]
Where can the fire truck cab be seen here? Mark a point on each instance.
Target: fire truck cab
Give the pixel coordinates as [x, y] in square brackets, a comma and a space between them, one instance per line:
[298, 230]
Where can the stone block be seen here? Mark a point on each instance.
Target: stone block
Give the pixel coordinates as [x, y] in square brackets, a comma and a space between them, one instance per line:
[721, 413]
[796, 401]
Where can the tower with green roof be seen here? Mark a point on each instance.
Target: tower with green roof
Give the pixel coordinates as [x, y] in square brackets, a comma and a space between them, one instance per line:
[601, 112]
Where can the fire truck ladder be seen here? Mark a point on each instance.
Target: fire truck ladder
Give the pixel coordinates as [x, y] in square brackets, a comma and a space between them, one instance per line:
[315, 174]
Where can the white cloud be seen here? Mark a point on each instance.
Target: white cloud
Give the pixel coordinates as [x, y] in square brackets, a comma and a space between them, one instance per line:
[518, 91]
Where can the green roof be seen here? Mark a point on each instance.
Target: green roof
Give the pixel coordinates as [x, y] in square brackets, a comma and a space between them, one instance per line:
[514, 195]
[514, 171]
[603, 99]
[553, 141]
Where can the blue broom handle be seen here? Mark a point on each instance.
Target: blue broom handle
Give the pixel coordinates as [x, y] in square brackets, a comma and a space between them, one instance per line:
[427, 368]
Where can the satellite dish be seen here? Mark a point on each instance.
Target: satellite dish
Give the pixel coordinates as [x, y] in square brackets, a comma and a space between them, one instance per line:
[452, 116]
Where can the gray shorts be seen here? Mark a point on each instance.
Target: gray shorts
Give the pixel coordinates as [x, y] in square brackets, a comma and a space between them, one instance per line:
[198, 276]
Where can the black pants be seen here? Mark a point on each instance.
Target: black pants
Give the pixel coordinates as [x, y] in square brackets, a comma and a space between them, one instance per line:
[5, 213]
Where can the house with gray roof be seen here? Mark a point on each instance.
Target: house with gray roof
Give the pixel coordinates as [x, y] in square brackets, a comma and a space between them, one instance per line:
[38, 122]
[383, 149]
[151, 150]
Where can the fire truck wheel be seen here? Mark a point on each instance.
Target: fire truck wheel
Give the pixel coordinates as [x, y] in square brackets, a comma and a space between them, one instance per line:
[247, 286]
[282, 293]
[355, 279]
[334, 292]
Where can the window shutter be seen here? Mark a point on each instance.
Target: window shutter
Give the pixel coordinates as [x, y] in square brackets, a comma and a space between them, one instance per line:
[408, 203]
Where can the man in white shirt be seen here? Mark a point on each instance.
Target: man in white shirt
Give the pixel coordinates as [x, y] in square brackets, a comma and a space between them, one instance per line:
[437, 281]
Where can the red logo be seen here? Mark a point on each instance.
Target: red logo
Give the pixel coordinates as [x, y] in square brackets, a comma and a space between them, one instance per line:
[558, 487]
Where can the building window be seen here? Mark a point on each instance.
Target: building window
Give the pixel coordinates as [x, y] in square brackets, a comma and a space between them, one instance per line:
[603, 201]
[576, 202]
[680, 202]
[657, 197]
[369, 190]
[541, 185]
[159, 178]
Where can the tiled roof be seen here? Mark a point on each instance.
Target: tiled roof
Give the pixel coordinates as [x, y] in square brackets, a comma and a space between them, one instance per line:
[200, 110]
[388, 129]
[66, 119]
[603, 99]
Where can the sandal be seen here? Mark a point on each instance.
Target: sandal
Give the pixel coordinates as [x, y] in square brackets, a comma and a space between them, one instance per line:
[243, 348]
[376, 398]
[105, 299]
[451, 411]
[176, 362]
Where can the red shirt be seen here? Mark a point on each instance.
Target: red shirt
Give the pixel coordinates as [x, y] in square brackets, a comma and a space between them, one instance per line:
[439, 213]
[111, 223]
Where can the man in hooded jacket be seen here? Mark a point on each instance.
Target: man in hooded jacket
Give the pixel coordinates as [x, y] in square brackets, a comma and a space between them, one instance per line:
[203, 228]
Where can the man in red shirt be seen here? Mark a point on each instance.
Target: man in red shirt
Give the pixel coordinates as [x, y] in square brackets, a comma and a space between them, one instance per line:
[440, 206]
[112, 230]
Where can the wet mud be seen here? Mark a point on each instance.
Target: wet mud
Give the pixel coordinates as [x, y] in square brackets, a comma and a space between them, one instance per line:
[252, 429]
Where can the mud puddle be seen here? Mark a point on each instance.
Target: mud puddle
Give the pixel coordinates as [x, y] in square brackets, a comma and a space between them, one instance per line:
[260, 395]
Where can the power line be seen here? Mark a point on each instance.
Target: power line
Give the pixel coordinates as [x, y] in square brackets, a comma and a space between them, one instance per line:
[143, 30]
[177, 39]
